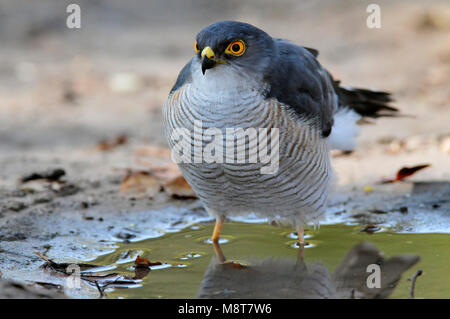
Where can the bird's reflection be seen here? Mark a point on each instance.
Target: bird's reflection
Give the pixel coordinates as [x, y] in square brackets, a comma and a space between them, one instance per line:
[290, 278]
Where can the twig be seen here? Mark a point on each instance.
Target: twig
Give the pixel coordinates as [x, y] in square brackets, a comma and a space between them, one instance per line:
[413, 282]
[352, 294]
[100, 290]
[44, 258]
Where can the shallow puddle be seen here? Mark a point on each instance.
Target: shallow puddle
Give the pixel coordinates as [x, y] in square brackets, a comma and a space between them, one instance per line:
[187, 254]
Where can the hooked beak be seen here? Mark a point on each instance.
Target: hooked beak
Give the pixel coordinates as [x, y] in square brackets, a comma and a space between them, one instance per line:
[208, 59]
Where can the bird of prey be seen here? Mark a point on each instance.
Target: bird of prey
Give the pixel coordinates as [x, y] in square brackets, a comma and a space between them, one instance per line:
[241, 77]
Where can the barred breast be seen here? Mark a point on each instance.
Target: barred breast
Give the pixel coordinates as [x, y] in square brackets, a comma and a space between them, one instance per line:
[296, 192]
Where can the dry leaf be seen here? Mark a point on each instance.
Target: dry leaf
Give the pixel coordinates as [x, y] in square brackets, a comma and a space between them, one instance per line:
[158, 161]
[166, 172]
[141, 182]
[179, 188]
[405, 172]
[235, 265]
[109, 145]
[408, 171]
[144, 262]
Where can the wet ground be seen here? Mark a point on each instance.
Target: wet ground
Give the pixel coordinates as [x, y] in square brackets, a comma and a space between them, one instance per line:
[186, 257]
[415, 223]
[67, 96]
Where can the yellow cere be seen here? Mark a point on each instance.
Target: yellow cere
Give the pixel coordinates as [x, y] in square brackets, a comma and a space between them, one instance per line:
[208, 52]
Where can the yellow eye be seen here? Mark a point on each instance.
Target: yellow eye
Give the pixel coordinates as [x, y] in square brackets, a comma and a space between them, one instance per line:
[236, 48]
[196, 47]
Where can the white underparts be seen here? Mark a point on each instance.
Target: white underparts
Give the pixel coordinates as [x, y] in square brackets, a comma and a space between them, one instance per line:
[345, 130]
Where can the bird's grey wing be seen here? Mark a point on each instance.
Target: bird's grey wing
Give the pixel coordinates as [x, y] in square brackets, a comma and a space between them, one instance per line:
[313, 51]
[298, 80]
[365, 102]
[183, 78]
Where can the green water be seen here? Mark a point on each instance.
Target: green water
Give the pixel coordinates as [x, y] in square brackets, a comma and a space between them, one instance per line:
[247, 241]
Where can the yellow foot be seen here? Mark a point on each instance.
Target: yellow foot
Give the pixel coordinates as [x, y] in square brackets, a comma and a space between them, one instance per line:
[301, 236]
[223, 260]
[217, 228]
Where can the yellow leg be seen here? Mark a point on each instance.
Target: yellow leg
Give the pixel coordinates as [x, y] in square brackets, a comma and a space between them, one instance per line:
[301, 246]
[301, 237]
[217, 229]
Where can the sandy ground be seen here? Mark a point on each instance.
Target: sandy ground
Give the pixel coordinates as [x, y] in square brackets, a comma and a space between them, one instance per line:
[63, 91]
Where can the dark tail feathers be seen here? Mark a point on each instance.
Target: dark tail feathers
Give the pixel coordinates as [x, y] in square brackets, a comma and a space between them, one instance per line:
[365, 102]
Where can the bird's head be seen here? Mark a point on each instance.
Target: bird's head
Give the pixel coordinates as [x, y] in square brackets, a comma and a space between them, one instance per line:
[235, 46]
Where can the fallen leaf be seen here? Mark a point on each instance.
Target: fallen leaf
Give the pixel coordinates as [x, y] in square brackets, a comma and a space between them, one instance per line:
[405, 172]
[408, 171]
[153, 151]
[140, 182]
[179, 188]
[51, 176]
[106, 145]
[235, 265]
[158, 161]
[144, 262]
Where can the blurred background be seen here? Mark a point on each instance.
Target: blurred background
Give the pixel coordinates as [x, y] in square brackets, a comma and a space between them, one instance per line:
[86, 104]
